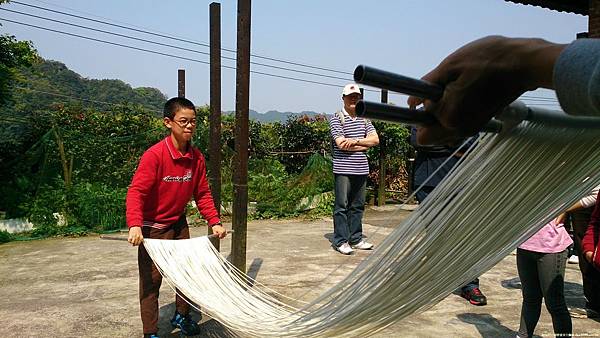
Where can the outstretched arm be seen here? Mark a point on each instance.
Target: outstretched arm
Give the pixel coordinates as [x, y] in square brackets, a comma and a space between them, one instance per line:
[481, 78]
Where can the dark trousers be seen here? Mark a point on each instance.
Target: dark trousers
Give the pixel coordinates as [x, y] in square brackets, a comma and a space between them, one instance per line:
[590, 276]
[421, 195]
[151, 279]
[349, 207]
[543, 276]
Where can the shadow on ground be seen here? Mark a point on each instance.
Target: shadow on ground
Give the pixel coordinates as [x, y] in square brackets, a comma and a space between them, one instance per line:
[210, 327]
[487, 325]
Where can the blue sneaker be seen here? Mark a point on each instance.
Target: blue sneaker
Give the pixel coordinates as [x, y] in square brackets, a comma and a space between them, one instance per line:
[186, 324]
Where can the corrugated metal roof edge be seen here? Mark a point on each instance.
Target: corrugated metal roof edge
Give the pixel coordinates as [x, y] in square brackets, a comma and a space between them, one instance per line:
[553, 6]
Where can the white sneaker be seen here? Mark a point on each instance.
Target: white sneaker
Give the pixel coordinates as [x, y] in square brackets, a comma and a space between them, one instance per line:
[344, 249]
[362, 245]
[574, 259]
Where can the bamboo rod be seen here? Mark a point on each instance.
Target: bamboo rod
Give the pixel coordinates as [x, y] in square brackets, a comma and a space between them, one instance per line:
[121, 238]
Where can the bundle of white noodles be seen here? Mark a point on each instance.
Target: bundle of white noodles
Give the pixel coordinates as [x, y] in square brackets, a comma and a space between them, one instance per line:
[508, 187]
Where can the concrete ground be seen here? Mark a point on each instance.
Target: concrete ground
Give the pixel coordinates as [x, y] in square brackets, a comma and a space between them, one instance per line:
[87, 287]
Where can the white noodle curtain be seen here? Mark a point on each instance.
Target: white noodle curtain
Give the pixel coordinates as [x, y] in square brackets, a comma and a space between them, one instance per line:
[508, 187]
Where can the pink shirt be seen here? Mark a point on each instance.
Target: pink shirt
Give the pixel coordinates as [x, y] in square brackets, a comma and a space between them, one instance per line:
[552, 238]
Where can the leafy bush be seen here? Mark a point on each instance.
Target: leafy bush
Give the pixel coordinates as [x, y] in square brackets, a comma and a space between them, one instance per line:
[5, 237]
[300, 138]
[85, 207]
[50, 199]
[279, 194]
[99, 207]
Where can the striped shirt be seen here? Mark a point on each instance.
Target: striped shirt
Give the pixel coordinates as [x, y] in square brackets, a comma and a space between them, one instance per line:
[350, 162]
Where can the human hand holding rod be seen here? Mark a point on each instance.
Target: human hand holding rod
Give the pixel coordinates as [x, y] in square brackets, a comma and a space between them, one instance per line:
[467, 89]
[480, 79]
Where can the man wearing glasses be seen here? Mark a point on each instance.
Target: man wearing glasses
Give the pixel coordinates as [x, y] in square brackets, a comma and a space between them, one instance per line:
[168, 175]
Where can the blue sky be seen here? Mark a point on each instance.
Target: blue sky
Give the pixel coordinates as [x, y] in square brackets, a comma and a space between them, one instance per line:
[404, 36]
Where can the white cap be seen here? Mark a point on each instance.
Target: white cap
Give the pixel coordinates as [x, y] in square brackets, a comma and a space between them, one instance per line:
[350, 89]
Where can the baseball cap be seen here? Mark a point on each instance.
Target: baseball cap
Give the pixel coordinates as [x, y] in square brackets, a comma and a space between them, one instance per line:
[350, 89]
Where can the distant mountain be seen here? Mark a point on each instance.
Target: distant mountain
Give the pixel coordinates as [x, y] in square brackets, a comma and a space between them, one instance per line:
[48, 83]
[276, 116]
[51, 82]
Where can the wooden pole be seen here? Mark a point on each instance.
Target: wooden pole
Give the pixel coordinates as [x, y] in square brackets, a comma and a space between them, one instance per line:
[214, 140]
[594, 19]
[181, 82]
[381, 183]
[242, 103]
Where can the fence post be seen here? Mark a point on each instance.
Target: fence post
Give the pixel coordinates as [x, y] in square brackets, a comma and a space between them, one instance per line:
[214, 140]
[381, 183]
[242, 102]
[181, 83]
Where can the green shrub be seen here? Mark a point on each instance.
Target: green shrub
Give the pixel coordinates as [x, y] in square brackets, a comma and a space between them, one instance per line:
[279, 194]
[99, 207]
[85, 207]
[5, 237]
[49, 200]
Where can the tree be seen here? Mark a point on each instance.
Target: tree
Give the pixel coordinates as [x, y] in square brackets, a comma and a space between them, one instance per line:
[13, 54]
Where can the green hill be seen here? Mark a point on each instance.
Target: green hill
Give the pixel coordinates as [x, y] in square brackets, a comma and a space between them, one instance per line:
[51, 82]
[47, 84]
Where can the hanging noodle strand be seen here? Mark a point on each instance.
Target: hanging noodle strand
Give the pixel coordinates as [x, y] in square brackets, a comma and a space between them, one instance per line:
[508, 187]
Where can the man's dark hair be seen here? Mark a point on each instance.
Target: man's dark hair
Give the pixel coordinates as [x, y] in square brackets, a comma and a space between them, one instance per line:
[176, 103]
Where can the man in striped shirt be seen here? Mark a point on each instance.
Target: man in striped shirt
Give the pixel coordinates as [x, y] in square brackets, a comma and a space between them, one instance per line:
[352, 136]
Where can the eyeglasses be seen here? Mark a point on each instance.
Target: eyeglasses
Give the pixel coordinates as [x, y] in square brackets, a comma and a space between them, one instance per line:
[184, 123]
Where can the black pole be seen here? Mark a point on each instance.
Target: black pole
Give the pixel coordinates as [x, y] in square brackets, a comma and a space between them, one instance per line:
[395, 114]
[242, 103]
[214, 141]
[181, 83]
[398, 83]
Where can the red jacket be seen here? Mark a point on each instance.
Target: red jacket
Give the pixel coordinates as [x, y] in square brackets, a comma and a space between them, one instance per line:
[592, 234]
[163, 184]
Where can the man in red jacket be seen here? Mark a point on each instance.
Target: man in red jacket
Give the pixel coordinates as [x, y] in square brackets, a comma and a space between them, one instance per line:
[589, 247]
[168, 175]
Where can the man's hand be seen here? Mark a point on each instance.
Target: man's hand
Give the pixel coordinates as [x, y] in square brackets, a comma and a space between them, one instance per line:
[479, 80]
[347, 143]
[560, 219]
[135, 236]
[589, 255]
[219, 231]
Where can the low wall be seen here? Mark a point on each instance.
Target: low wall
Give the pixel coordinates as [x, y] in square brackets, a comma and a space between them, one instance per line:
[15, 225]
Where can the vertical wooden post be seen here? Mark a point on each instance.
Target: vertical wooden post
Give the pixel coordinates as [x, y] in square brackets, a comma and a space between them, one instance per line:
[181, 83]
[214, 140]
[594, 19]
[381, 183]
[242, 102]
[67, 165]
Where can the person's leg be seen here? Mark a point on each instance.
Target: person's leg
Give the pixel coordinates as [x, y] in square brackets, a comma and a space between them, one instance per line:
[340, 210]
[589, 275]
[182, 319]
[422, 194]
[149, 282]
[358, 186]
[181, 231]
[531, 291]
[474, 284]
[592, 291]
[551, 271]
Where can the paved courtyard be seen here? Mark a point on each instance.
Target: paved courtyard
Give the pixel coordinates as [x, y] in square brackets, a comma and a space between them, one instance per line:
[87, 287]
